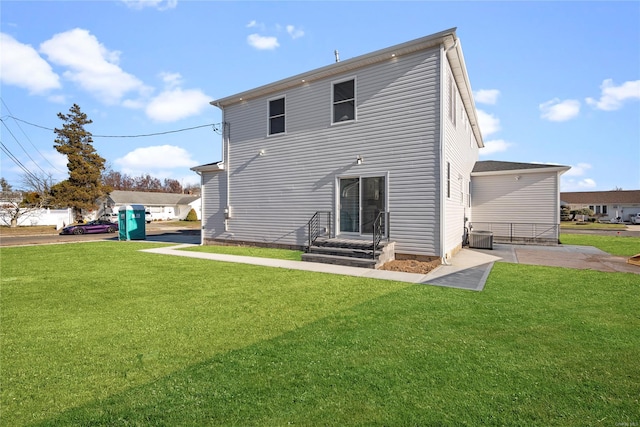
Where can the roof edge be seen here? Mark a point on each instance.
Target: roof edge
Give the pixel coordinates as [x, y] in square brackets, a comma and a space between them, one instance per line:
[209, 167]
[427, 42]
[550, 168]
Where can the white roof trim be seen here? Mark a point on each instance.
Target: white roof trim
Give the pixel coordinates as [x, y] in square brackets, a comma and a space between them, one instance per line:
[215, 167]
[560, 169]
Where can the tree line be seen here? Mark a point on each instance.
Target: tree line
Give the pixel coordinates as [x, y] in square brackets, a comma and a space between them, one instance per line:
[89, 180]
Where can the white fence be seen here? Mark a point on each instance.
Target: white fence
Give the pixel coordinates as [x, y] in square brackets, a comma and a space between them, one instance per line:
[56, 217]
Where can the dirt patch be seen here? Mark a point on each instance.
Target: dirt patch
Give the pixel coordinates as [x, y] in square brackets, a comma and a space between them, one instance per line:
[411, 266]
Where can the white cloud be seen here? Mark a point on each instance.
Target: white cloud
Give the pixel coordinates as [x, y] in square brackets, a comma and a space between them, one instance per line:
[612, 97]
[560, 111]
[488, 123]
[574, 179]
[153, 159]
[570, 184]
[486, 96]
[262, 42]
[158, 4]
[91, 65]
[171, 79]
[294, 32]
[21, 65]
[254, 24]
[578, 170]
[495, 146]
[176, 103]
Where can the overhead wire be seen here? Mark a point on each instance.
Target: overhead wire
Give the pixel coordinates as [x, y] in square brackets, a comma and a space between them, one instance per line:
[21, 146]
[18, 162]
[29, 139]
[214, 125]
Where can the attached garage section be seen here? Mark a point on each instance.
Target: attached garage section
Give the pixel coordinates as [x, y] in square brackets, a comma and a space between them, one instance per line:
[517, 202]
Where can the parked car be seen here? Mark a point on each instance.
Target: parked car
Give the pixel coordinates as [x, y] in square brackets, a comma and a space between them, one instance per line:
[148, 217]
[112, 217]
[635, 218]
[96, 226]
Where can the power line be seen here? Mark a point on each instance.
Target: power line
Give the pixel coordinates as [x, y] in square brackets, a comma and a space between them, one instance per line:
[25, 151]
[214, 125]
[17, 162]
[28, 139]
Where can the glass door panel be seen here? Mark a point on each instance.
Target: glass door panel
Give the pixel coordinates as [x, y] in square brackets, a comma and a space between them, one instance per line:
[350, 205]
[373, 201]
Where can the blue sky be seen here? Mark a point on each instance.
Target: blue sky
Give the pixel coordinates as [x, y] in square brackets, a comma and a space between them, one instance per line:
[554, 82]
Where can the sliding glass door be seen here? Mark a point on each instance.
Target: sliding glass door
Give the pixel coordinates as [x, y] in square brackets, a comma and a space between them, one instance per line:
[350, 205]
[360, 201]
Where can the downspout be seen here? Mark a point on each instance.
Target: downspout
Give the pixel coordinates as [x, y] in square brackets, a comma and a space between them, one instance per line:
[443, 74]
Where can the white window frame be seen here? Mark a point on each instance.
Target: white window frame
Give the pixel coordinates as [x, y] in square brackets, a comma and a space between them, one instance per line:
[355, 100]
[269, 117]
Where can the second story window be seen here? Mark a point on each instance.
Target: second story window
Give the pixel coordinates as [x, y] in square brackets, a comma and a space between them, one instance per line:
[344, 101]
[276, 116]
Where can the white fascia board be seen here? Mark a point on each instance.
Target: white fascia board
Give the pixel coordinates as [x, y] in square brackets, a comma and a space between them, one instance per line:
[459, 69]
[209, 168]
[559, 169]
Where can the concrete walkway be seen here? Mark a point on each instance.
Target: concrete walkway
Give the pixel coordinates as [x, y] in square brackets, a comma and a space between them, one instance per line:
[468, 270]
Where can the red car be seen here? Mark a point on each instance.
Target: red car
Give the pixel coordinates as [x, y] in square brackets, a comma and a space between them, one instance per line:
[97, 226]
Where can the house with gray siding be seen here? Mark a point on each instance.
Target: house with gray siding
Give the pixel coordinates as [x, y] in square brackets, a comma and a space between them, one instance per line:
[517, 202]
[391, 134]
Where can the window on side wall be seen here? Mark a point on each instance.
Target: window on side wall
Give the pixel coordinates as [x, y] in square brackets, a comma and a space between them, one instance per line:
[276, 116]
[344, 101]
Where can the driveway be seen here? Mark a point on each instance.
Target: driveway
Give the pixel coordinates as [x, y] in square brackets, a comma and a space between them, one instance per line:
[568, 256]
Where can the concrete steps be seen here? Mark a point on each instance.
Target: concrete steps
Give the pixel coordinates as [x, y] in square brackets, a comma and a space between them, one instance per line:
[349, 252]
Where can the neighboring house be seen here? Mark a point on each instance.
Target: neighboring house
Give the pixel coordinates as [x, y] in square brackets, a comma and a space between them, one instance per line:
[163, 206]
[394, 131]
[518, 202]
[605, 204]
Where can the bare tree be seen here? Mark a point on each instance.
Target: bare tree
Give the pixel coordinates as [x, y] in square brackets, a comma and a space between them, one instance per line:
[38, 186]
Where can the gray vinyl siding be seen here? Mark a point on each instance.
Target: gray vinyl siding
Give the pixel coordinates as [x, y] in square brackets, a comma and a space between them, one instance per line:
[531, 198]
[396, 132]
[461, 150]
[214, 193]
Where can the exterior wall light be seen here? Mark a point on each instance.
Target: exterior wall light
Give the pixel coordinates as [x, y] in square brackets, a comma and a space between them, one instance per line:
[359, 160]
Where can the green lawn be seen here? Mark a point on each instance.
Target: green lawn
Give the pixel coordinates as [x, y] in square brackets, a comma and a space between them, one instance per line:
[591, 226]
[102, 334]
[615, 245]
[249, 251]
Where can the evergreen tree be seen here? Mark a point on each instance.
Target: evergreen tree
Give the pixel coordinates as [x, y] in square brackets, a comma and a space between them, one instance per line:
[84, 186]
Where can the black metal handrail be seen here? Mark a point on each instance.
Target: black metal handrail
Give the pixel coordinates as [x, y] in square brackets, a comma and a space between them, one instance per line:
[380, 230]
[320, 223]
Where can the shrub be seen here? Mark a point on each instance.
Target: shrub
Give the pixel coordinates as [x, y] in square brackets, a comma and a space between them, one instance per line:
[191, 216]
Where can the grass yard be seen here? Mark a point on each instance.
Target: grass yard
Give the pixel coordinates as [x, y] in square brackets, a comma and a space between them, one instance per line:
[102, 334]
[591, 226]
[249, 251]
[615, 245]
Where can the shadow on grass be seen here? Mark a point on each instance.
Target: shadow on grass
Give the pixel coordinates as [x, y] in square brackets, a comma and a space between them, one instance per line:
[535, 352]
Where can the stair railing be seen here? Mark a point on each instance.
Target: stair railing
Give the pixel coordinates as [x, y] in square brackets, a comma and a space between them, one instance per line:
[318, 225]
[380, 230]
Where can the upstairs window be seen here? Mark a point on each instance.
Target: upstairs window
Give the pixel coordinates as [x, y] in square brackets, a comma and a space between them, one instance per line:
[276, 116]
[344, 101]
